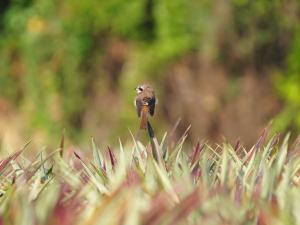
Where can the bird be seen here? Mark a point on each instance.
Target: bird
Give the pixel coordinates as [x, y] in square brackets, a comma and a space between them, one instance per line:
[145, 101]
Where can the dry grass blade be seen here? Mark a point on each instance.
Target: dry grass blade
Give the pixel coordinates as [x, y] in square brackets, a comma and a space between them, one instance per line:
[62, 143]
[112, 157]
[263, 137]
[166, 182]
[185, 207]
[13, 156]
[98, 158]
[262, 183]
[196, 153]
[101, 187]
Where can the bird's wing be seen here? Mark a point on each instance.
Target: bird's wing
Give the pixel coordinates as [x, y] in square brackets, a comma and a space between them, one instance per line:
[151, 103]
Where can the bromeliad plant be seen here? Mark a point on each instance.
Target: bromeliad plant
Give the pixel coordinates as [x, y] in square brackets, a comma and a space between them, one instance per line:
[155, 184]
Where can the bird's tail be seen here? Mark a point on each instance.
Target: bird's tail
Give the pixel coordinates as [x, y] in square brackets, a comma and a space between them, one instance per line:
[144, 117]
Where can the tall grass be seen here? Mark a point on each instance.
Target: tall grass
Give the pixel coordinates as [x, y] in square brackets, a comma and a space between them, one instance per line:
[155, 184]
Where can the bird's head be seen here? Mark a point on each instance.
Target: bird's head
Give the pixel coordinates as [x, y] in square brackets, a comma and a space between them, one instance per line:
[143, 87]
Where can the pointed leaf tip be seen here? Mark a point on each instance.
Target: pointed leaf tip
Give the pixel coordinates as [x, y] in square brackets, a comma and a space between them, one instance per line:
[76, 155]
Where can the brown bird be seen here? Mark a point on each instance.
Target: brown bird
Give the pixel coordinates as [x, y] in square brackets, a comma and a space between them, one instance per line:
[145, 103]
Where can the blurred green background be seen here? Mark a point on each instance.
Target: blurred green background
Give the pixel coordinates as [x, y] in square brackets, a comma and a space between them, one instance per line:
[226, 67]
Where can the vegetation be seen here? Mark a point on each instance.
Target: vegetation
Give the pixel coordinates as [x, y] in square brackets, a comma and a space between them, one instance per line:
[131, 184]
[60, 59]
[226, 67]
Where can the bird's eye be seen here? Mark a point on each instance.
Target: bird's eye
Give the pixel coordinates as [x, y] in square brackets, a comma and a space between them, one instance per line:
[139, 89]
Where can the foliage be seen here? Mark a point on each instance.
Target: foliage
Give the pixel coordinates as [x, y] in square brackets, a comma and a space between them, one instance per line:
[53, 53]
[212, 184]
[288, 85]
